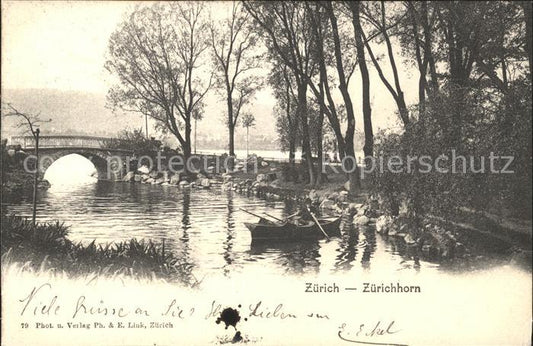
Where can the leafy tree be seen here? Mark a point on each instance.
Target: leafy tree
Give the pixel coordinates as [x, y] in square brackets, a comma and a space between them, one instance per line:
[376, 15]
[355, 8]
[478, 104]
[416, 33]
[234, 53]
[287, 121]
[135, 141]
[286, 28]
[322, 48]
[157, 54]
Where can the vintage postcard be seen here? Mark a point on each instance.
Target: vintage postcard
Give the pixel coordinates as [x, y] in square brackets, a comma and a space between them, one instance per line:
[266, 173]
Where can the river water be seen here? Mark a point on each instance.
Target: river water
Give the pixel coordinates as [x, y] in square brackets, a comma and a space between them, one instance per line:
[481, 301]
[205, 229]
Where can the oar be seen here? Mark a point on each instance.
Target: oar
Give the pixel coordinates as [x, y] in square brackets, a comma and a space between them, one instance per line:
[275, 218]
[249, 212]
[288, 217]
[319, 226]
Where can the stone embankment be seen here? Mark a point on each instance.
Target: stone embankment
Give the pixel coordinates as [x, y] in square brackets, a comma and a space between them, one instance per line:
[166, 178]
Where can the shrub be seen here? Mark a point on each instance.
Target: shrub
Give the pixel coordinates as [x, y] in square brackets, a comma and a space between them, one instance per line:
[47, 244]
[488, 123]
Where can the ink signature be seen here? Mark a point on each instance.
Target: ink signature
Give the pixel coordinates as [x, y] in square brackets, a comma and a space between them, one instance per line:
[364, 332]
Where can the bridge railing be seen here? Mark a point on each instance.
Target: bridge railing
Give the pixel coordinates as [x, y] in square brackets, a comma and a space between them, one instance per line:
[266, 158]
[28, 142]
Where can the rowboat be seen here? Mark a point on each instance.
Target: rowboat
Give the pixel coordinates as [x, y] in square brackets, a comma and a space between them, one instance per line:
[266, 230]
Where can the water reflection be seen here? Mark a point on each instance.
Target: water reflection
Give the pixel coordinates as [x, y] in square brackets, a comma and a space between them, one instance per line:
[185, 250]
[206, 231]
[230, 229]
[369, 241]
[292, 258]
[347, 250]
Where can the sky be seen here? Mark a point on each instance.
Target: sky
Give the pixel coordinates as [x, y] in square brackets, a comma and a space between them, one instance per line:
[62, 45]
[58, 45]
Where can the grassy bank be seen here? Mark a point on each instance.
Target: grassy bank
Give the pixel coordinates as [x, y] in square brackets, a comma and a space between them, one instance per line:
[47, 247]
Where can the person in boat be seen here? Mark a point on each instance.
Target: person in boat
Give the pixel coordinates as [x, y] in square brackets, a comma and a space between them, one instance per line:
[304, 214]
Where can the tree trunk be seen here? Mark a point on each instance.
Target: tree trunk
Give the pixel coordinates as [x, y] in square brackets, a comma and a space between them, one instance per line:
[421, 96]
[186, 146]
[402, 108]
[231, 127]
[231, 130]
[293, 128]
[422, 60]
[459, 74]
[293, 175]
[319, 134]
[526, 6]
[195, 127]
[367, 111]
[35, 177]
[320, 155]
[332, 112]
[348, 145]
[306, 145]
[428, 52]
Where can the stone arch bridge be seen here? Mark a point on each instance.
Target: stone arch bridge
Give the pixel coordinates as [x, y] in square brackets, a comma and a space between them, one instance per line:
[110, 163]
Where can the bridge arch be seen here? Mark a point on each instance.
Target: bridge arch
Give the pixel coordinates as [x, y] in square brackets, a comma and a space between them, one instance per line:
[98, 159]
[110, 163]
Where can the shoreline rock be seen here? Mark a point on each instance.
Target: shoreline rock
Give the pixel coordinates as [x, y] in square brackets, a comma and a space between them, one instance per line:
[17, 181]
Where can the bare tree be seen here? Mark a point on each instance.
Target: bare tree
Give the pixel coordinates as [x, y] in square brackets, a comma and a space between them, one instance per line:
[233, 45]
[31, 122]
[157, 55]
